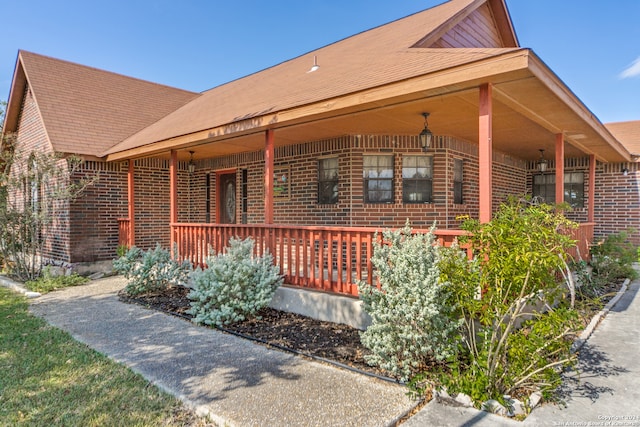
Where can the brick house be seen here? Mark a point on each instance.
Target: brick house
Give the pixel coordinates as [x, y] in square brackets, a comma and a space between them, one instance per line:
[312, 155]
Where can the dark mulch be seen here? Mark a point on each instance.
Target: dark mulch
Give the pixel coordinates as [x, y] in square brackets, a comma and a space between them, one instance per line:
[334, 342]
[327, 340]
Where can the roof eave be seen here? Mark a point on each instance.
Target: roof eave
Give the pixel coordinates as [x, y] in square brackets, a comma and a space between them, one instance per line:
[551, 80]
[458, 77]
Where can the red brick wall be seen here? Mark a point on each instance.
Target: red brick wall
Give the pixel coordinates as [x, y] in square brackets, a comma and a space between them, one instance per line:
[94, 216]
[301, 206]
[617, 197]
[32, 138]
[618, 200]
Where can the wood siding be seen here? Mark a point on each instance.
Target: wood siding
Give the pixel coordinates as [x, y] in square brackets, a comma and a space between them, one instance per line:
[477, 30]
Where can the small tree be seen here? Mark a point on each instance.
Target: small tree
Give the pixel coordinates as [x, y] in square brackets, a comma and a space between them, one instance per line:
[412, 323]
[518, 255]
[34, 202]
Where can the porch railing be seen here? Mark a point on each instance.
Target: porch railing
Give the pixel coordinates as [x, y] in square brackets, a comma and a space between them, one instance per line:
[583, 235]
[124, 226]
[332, 259]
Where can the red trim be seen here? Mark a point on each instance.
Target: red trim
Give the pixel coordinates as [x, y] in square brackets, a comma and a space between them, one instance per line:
[559, 168]
[485, 152]
[591, 207]
[131, 205]
[268, 177]
[219, 173]
[173, 191]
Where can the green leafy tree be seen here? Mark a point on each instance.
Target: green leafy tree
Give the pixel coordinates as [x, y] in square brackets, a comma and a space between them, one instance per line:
[511, 342]
[412, 318]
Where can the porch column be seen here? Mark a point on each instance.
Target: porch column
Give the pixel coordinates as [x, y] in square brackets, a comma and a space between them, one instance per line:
[173, 193]
[559, 168]
[131, 205]
[485, 153]
[591, 207]
[268, 177]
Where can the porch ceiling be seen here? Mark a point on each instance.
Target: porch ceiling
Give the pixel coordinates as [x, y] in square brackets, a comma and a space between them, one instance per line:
[530, 106]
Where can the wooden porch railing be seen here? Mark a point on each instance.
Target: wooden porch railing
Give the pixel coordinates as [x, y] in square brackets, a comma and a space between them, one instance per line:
[583, 235]
[332, 259]
[124, 225]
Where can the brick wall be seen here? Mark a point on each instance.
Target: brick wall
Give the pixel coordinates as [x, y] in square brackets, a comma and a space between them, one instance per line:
[32, 138]
[300, 205]
[618, 200]
[617, 196]
[94, 216]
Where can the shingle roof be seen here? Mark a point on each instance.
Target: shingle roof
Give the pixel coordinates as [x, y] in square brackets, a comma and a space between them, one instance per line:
[628, 133]
[369, 59]
[86, 110]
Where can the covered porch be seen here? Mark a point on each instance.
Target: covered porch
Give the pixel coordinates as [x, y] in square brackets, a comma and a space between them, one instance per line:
[493, 117]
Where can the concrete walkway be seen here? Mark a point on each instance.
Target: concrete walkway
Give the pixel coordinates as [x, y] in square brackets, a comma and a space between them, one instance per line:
[233, 380]
[241, 383]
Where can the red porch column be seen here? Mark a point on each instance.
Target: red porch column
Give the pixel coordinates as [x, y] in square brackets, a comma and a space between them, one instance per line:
[559, 168]
[173, 192]
[485, 154]
[591, 207]
[131, 205]
[268, 177]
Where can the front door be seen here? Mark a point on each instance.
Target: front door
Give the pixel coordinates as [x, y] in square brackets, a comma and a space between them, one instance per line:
[227, 198]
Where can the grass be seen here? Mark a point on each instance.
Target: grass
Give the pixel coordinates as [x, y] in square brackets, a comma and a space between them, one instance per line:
[49, 379]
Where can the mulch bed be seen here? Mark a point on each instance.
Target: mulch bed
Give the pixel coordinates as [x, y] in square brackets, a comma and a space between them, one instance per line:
[314, 338]
[326, 340]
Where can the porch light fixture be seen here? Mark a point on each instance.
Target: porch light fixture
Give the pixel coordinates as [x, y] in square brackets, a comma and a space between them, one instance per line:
[426, 135]
[542, 163]
[191, 166]
[625, 171]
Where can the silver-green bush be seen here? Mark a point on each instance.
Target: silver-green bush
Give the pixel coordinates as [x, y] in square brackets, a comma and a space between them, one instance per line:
[235, 285]
[412, 320]
[151, 270]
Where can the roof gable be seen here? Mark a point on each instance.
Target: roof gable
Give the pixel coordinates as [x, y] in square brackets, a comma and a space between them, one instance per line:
[481, 24]
[86, 110]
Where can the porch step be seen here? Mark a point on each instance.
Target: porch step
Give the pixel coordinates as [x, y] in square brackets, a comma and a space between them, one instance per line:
[321, 306]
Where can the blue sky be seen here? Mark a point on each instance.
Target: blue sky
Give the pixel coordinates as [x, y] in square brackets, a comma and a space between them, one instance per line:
[593, 46]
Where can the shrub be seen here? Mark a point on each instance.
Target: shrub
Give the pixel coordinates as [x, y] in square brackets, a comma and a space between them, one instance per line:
[235, 285]
[518, 255]
[47, 282]
[412, 323]
[614, 256]
[151, 270]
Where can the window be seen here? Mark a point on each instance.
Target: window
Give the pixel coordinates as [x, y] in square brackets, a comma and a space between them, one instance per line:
[377, 172]
[458, 177]
[417, 179]
[328, 180]
[574, 189]
[544, 186]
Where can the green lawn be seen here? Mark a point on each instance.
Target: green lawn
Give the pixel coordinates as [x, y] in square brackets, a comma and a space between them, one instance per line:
[49, 379]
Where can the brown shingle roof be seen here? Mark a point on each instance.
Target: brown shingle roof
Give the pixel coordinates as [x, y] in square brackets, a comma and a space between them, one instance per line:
[369, 59]
[86, 110]
[628, 133]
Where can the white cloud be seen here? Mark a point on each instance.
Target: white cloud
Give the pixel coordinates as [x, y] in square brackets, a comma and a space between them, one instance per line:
[632, 70]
